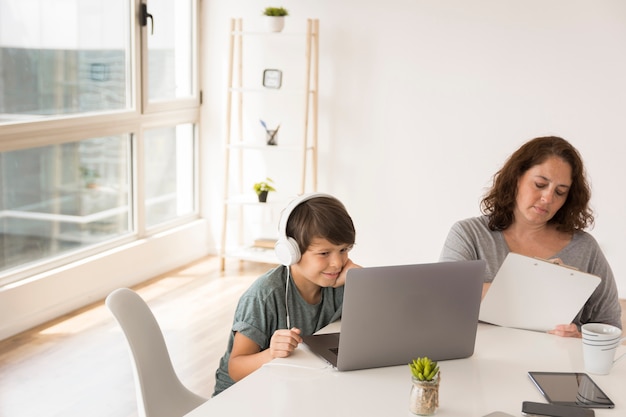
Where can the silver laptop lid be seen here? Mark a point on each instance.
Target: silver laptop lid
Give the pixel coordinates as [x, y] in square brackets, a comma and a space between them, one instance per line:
[393, 314]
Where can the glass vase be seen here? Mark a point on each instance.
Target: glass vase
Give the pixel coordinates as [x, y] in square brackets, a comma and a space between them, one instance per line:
[424, 397]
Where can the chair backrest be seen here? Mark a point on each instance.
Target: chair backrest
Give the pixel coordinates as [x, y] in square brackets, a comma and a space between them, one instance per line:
[160, 393]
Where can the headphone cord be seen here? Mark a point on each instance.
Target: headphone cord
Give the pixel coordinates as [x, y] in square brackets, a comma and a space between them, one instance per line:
[286, 297]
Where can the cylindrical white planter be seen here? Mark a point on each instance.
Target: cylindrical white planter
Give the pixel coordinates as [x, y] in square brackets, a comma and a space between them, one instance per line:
[274, 23]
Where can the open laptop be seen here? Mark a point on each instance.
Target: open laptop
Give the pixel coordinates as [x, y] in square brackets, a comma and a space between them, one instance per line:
[394, 314]
[535, 294]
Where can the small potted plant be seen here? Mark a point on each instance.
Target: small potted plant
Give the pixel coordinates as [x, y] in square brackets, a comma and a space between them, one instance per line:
[89, 177]
[262, 188]
[425, 377]
[275, 18]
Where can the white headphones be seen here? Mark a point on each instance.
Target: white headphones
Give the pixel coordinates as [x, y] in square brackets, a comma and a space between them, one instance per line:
[286, 248]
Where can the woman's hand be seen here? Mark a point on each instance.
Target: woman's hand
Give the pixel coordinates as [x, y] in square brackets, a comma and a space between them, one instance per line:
[341, 280]
[486, 286]
[556, 261]
[566, 330]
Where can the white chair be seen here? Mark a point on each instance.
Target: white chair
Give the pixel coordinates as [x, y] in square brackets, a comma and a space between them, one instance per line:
[160, 393]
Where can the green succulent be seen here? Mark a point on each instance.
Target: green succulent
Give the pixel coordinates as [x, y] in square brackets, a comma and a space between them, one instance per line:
[275, 11]
[424, 369]
[259, 187]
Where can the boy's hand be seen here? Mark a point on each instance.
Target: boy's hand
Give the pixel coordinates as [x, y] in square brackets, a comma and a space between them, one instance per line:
[284, 342]
[341, 280]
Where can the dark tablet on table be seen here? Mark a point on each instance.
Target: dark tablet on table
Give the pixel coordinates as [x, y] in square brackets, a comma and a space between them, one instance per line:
[570, 388]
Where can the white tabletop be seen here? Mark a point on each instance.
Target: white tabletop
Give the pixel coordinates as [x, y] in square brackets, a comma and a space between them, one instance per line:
[493, 379]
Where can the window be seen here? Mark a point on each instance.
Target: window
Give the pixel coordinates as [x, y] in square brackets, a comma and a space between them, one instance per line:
[170, 50]
[63, 197]
[63, 57]
[84, 165]
[169, 175]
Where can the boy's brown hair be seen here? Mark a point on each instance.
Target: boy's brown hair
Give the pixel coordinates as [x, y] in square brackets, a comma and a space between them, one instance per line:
[321, 217]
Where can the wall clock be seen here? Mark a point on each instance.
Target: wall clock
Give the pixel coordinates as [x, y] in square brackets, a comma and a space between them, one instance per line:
[272, 78]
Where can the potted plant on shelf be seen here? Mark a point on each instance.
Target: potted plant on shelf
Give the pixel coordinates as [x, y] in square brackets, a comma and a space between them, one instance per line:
[262, 188]
[425, 377]
[89, 176]
[275, 18]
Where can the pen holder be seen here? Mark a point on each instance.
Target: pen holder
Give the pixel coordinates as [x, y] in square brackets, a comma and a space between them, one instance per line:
[424, 397]
[271, 137]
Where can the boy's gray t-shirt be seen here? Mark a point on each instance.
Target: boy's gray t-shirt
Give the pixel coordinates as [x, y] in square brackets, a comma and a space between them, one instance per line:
[472, 239]
[261, 311]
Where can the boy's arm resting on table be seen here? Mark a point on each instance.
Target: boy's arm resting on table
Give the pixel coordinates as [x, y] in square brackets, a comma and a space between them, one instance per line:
[246, 356]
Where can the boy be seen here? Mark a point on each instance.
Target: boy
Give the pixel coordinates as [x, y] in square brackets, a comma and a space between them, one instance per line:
[297, 298]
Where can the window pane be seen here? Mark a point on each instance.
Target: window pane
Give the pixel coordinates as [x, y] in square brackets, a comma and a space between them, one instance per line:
[170, 50]
[63, 57]
[169, 175]
[60, 198]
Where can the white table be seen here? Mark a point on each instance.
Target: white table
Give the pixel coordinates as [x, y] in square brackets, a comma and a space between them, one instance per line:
[493, 379]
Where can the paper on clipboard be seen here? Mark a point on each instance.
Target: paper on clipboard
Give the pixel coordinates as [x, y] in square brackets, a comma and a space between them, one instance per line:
[534, 294]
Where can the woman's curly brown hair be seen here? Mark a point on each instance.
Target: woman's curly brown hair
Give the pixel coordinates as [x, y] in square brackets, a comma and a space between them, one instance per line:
[499, 202]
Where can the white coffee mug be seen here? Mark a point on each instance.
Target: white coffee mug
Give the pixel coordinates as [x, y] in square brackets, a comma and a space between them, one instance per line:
[600, 342]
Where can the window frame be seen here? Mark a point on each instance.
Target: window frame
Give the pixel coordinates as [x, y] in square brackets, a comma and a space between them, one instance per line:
[149, 107]
[140, 116]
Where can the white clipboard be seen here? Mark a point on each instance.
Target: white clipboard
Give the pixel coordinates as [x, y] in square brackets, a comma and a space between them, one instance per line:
[535, 294]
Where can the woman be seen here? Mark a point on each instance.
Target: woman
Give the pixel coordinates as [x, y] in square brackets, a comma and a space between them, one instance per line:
[538, 206]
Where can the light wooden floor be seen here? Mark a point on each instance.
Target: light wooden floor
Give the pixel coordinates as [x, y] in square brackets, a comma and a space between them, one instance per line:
[79, 365]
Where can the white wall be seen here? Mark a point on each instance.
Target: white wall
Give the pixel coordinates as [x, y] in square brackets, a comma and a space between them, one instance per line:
[422, 100]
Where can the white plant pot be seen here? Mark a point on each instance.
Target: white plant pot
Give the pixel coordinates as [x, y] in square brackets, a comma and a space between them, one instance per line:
[274, 23]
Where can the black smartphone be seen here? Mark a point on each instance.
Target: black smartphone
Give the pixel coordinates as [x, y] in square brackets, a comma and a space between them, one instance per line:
[570, 388]
[530, 408]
